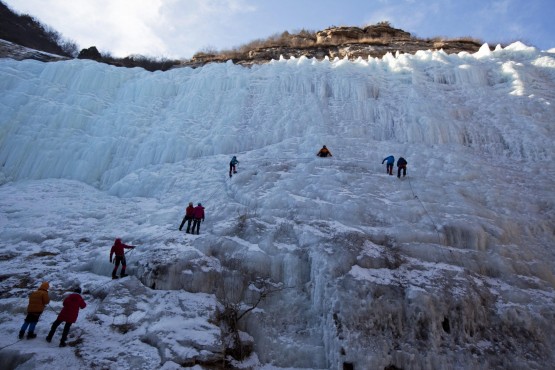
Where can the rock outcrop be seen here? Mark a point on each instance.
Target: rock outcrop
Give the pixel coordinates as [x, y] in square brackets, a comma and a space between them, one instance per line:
[342, 35]
[340, 42]
[18, 52]
[90, 53]
[335, 42]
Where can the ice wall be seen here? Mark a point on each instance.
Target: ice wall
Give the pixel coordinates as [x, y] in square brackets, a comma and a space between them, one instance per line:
[96, 123]
[451, 267]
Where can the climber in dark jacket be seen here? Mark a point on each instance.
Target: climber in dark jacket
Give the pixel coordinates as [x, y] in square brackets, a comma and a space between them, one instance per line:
[233, 166]
[324, 152]
[401, 165]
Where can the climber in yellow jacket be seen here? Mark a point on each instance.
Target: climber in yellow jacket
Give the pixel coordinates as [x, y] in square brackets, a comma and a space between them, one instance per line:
[37, 302]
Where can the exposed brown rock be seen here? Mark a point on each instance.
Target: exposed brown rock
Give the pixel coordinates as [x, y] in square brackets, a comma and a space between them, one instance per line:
[339, 42]
[335, 42]
[345, 35]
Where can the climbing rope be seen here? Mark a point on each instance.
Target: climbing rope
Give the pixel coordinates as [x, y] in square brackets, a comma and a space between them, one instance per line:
[53, 310]
[426, 211]
[19, 340]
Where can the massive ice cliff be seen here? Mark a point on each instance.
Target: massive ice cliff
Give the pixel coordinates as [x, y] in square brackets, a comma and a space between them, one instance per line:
[334, 264]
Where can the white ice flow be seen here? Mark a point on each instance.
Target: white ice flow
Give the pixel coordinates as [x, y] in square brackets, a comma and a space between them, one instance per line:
[334, 263]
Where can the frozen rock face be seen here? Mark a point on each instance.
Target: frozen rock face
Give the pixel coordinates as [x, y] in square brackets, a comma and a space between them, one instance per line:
[302, 262]
[18, 52]
[338, 35]
[374, 304]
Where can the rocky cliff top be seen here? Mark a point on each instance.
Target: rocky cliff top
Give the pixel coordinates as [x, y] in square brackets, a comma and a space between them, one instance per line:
[351, 42]
[334, 42]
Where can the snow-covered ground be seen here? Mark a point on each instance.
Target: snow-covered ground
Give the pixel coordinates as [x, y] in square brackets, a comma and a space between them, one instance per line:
[339, 265]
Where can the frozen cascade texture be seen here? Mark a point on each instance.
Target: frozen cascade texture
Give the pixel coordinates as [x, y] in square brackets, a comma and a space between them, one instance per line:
[97, 124]
[450, 268]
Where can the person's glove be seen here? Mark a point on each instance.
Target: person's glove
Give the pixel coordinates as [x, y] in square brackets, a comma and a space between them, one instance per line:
[110, 259]
[203, 220]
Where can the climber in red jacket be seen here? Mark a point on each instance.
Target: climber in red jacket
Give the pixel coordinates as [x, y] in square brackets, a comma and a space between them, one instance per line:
[118, 250]
[69, 313]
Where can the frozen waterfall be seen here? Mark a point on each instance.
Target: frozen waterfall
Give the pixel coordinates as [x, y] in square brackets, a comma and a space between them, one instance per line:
[335, 264]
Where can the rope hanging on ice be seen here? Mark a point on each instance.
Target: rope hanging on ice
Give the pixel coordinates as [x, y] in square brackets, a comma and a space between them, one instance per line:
[425, 210]
[1, 348]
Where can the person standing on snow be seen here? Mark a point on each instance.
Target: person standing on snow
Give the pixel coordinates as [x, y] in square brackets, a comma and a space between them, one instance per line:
[189, 211]
[118, 250]
[401, 164]
[198, 216]
[233, 165]
[69, 313]
[390, 160]
[37, 302]
[324, 152]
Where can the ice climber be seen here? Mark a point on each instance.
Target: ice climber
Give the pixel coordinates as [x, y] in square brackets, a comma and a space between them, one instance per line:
[233, 165]
[37, 302]
[69, 313]
[189, 211]
[390, 160]
[401, 165]
[118, 250]
[198, 216]
[324, 152]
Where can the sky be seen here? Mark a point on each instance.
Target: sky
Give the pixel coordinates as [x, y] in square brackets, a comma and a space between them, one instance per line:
[180, 28]
[373, 266]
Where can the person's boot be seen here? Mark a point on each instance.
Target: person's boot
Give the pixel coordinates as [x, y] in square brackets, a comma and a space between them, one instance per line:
[49, 339]
[63, 344]
[21, 334]
[114, 277]
[123, 274]
[31, 335]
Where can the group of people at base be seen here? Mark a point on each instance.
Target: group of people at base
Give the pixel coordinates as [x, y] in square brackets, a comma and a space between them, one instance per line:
[38, 300]
[401, 165]
[194, 215]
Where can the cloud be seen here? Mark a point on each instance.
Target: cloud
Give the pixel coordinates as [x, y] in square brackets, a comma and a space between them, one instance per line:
[180, 28]
[408, 15]
[501, 6]
[196, 24]
[170, 28]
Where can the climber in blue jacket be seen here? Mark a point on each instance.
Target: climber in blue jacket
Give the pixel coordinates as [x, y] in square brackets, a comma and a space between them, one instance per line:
[390, 160]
